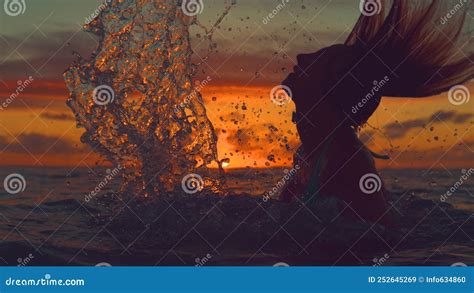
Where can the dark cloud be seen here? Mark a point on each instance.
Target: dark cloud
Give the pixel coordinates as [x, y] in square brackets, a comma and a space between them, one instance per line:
[459, 154]
[252, 65]
[39, 144]
[443, 116]
[58, 116]
[398, 130]
[33, 102]
[461, 118]
[263, 140]
[42, 57]
[451, 116]
[246, 140]
[46, 57]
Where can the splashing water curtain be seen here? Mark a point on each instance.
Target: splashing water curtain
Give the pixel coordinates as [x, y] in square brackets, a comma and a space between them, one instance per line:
[135, 97]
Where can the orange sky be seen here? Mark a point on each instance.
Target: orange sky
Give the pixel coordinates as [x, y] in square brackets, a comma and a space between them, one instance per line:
[250, 129]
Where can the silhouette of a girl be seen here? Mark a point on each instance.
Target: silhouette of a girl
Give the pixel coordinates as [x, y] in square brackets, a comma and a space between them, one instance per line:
[407, 53]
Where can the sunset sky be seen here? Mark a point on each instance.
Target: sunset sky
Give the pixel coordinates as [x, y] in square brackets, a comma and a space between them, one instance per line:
[38, 129]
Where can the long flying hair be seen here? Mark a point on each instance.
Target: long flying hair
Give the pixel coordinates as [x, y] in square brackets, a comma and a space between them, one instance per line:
[424, 47]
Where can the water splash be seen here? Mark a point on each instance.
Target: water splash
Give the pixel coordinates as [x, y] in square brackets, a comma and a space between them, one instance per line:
[146, 116]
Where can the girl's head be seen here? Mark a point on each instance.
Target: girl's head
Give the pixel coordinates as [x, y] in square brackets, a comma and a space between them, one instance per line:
[338, 82]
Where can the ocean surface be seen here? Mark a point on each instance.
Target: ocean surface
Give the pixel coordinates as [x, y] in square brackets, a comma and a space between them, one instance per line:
[57, 220]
